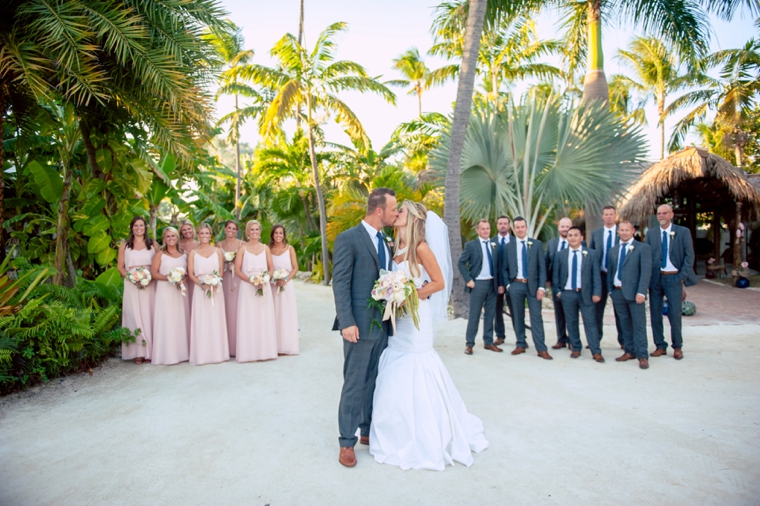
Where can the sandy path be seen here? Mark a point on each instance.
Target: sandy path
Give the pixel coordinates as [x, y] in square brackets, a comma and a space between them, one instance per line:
[561, 432]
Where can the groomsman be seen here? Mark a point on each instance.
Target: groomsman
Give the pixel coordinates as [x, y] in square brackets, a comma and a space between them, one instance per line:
[478, 268]
[578, 283]
[602, 240]
[502, 238]
[628, 276]
[525, 274]
[672, 269]
[553, 247]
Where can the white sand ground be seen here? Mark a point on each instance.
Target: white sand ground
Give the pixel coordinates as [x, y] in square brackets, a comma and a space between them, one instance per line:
[563, 432]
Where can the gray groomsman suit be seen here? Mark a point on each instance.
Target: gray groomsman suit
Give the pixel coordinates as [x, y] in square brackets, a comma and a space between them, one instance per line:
[521, 288]
[669, 283]
[599, 243]
[356, 267]
[588, 284]
[634, 279]
[484, 294]
[503, 298]
[552, 249]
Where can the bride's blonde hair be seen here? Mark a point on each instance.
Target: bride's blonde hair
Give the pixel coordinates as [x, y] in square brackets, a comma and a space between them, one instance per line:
[415, 233]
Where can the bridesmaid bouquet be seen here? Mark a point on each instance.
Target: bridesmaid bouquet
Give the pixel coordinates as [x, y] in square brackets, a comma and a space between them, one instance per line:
[395, 295]
[213, 281]
[279, 275]
[259, 278]
[175, 278]
[229, 259]
[140, 277]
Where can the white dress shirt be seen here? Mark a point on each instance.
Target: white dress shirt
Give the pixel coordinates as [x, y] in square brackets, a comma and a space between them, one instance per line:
[669, 267]
[485, 268]
[373, 236]
[520, 243]
[503, 239]
[569, 284]
[560, 242]
[607, 231]
[616, 281]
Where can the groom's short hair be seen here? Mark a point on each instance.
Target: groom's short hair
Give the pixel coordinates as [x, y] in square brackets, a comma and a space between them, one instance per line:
[377, 199]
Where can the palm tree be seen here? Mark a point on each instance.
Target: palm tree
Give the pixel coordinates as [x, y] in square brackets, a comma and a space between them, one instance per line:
[309, 81]
[657, 72]
[622, 103]
[418, 75]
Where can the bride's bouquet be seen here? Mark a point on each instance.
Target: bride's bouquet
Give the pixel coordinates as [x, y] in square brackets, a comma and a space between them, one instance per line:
[175, 278]
[213, 281]
[229, 261]
[279, 275]
[140, 277]
[259, 279]
[395, 294]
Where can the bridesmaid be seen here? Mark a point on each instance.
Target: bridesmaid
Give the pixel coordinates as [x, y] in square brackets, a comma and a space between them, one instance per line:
[137, 304]
[208, 329]
[170, 321]
[256, 328]
[285, 309]
[230, 244]
[188, 243]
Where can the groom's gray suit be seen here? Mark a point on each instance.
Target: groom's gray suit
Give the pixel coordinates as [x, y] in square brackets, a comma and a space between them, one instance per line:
[356, 267]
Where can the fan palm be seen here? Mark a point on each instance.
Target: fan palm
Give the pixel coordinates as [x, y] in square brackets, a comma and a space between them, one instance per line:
[308, 83]
[417, 75]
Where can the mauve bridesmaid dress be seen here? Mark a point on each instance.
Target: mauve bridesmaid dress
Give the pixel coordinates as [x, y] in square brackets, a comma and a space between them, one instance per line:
[138, 306]
[256, 328]
[170, 319]
[208, 325]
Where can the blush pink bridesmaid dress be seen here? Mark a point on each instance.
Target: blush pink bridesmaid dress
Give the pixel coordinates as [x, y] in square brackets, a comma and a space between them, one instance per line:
[170, 320]
[138, 306]
[208, 325]
[256, 328]
[230, 286]
[285, 309]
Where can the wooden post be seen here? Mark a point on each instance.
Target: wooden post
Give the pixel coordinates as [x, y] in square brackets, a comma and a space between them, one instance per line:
[737, 244]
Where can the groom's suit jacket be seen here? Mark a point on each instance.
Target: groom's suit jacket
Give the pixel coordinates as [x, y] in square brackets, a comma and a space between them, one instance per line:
[356, 267]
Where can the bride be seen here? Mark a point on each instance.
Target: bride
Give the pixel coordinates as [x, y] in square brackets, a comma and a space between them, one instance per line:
[419, 420]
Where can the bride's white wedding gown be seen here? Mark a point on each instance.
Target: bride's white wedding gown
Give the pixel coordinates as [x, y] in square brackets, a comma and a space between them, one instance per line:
[419, 420]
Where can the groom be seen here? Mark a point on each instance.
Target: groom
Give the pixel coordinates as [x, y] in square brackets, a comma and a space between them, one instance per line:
[358, 256]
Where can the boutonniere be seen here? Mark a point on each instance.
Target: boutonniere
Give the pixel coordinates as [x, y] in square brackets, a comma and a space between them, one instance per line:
[530, 243]
[672, 234]
[389, 241]
[493, 244]
[630, 248]
[585, 253]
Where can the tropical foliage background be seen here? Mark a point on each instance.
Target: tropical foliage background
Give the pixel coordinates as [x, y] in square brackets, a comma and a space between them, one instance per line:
[107, 111]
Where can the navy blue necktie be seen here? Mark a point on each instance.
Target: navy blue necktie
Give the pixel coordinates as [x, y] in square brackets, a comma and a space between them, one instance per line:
[381, 251]
[524, 260]
[564, 245]
[574, 284]
[607, 249]
[490, 258]
[664, 250]
[501, 246]
[622, 259]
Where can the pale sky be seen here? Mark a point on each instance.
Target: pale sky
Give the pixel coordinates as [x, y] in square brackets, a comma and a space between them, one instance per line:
[379, 31]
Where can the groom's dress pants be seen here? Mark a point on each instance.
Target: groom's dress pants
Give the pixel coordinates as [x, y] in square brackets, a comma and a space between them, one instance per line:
[360, 361]
[518, 292]
[482, 295]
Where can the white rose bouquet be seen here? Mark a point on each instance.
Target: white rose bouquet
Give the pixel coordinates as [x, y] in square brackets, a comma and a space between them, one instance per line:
[259, 279]
[213, 281]
[280, 275]
[395, 295]
[175, 278]
[229, 261]
[140, 277]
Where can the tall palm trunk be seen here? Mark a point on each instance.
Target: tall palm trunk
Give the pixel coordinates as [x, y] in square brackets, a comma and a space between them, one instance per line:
[237, 168]
[462, 108]
[2, 181]
[419, 101]
[62, 231]
[300, 43]
[660, 110]
[320, 199]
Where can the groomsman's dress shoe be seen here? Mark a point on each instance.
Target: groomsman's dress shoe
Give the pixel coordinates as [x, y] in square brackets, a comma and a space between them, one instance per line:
[518, 350]
[625, 357]
[468, 350]
[347, 456]
[659, 352]
[493, 347]
[598, 357]
[364, 440]
[643, 363]
[545, 355]
[575, 354]
[677, 353]
[499, 340]
[559, 346]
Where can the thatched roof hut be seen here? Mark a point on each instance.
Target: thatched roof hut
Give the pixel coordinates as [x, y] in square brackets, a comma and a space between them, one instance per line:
[695, 181]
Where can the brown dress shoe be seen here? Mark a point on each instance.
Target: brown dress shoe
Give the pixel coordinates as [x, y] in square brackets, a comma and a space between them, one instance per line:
[598, 357]
[559, 346]
[625, 357]
[364, 440]
[468, 350]
[677, 353]
[499, 340]
[658, 352]
[518, 350]
[575, 354]
[347, 456]
[643, 363]
[545, 355]
[493, 347]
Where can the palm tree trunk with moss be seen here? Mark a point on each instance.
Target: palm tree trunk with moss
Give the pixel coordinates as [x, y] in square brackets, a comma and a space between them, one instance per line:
[462, 109]
[62, 230]
[320, 201]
